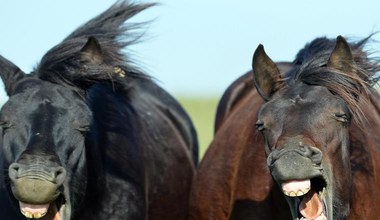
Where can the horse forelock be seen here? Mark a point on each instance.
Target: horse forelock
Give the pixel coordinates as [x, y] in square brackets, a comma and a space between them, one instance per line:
[352, 86]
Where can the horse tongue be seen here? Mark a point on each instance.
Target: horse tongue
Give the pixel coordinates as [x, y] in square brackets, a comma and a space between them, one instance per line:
[311, 206]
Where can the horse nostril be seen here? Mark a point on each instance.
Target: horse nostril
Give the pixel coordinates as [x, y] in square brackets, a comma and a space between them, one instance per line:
[59, 175]
[311, 152]
[13, 171]
[316, 155]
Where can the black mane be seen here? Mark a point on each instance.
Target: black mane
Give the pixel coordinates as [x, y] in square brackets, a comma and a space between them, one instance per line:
[311, 68]
[62, 64]
[314, 56]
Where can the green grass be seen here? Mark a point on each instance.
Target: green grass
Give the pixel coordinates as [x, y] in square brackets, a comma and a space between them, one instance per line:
[202, 112]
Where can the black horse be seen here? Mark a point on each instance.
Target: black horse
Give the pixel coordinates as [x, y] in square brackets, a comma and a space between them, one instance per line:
[87, 135]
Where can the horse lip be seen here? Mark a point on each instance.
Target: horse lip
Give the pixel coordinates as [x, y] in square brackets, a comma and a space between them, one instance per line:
[57, 205]
[34, 210]
[315, 172]
[291, 165]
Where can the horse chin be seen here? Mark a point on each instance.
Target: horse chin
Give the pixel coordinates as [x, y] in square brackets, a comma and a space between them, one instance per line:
[310, 202]
[51, 211]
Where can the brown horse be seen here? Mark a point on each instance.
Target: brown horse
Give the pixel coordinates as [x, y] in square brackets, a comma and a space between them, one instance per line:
[297, 141]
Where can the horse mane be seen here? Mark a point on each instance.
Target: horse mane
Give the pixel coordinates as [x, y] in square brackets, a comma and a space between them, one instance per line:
[311, 68]
[62, 63]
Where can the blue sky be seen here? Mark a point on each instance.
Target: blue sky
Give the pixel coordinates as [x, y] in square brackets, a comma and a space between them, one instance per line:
[195, 47]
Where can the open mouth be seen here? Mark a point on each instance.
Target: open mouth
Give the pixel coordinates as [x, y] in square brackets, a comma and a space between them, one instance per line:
[307, 198]
[50, 211]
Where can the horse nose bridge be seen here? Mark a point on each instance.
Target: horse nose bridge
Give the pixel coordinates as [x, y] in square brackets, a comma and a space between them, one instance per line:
[44, 158]
[295, 141]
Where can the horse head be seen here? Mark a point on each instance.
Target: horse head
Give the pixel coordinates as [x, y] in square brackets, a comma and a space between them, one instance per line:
[305, 123]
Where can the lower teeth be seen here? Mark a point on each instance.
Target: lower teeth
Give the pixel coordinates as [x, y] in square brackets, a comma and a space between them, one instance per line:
[31, 215]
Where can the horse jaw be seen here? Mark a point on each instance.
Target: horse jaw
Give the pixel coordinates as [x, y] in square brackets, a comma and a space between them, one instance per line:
[53, 211]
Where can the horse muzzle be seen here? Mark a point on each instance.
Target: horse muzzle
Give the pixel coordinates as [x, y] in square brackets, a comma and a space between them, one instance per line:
[299, 173]
[295, 163]
[36, 187]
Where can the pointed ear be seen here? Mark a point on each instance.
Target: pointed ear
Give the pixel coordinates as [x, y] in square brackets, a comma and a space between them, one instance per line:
[341, 57]
[92, 52]
[10, 74]
[266, 76]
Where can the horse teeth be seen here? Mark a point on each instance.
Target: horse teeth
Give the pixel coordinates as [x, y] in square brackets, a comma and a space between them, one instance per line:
[31, 215]
[303, 192]
[291, 194]
[27, 214]
[38, 215]
[306, 190]
[300, 192]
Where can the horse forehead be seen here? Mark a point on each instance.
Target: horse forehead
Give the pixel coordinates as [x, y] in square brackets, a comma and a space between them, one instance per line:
[302, 100]
[43, 99]
[305, 91]
[50, 95]
[306, 96]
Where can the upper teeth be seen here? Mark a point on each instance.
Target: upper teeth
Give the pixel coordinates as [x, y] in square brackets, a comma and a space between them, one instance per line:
[298, 193]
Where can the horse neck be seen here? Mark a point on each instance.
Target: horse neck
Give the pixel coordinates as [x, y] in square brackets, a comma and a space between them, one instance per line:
[365, 160]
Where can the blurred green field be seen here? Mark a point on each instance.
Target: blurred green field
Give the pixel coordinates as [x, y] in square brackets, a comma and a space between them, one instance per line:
[202, 112]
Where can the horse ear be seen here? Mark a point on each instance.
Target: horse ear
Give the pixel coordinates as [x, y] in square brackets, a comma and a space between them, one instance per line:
[266, 76]
[10, 74]
[341, 57]
[92, 52]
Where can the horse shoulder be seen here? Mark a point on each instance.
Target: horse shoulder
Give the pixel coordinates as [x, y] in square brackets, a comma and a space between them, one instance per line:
[222, 176]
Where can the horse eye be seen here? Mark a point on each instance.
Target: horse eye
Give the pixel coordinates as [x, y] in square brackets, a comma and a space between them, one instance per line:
[341, 117]
[5, 124]
[260, 125]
